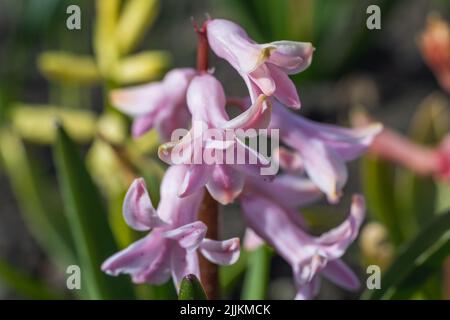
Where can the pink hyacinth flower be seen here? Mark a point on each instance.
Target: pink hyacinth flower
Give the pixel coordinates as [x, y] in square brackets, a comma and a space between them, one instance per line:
[223, 179]
[308, 256]
[160, 105]
[264, 67]
[323, 148]
[170, 249]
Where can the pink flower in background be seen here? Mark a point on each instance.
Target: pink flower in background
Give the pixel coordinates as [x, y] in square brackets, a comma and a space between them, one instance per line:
[171, 247]
[206, 102]
[160, 105]
[435, 45]
[323, 149]
[421, 159]
[264, 67]
[308, 256]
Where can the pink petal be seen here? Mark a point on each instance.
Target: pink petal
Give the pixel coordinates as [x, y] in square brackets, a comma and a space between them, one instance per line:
[253, 89]
[142, 125]
[285, 92]
[176, 83]
[138, 210]
[230, 42]
[308, 269]
[255, 117]
[196, 178]
[271, 222]
[221, 252]
[338, 272]
[251, 240]
[324, 167]
[263, 78]
[177, 119]
[292, 191]
[153, 97]
[289, 161]
[308, 255]
[309, 290]
[347, 143]
[183, 263]
[248, 161]
[187, 149]
[139, 100]
[178, 211]
[225, 184]
[206, 100]
[293, 57]
[189, 235]
[336, 241]
[145, 260]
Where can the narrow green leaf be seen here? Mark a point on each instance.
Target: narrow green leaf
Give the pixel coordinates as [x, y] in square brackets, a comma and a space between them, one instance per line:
[230, 275]
[35, 198]
[416, 262]
[88, 222]
[191, 289]
[378, 179]
[257, 274]
[26, 285]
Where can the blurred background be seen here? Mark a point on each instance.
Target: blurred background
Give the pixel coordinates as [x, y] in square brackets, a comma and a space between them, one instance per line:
[48, 73]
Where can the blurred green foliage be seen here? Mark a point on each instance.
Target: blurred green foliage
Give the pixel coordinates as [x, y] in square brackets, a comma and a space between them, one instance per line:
[409, 207]
[81, 224]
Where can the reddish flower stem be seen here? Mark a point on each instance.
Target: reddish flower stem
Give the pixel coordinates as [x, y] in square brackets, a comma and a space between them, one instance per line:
[209, 271]
[202, 48]
[208, 212]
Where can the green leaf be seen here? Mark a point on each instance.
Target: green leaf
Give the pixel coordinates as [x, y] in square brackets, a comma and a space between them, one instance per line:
[85, 210]
[164, 291]
[257, 274]
[24, 284]
[35, 198]
[191, 289]
[231, 274]
[378, 179]
[416, 262]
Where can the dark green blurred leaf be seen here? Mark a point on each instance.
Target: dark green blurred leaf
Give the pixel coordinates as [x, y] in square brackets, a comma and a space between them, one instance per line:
[36, 198]
[230, 275]
[322, 22]
[431, 121]
[416, 262]
[88, 222]
[428, 126]
[165, 291]
[26, 285]
[378, 179]
[191, 289]
[257, 275]
[416, 201]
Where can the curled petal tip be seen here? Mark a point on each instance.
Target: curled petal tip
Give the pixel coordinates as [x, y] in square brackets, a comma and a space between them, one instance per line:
[163, 152]
[358, 205]
[138, 210]
[189, 236]
[221, 252]
[334, 196]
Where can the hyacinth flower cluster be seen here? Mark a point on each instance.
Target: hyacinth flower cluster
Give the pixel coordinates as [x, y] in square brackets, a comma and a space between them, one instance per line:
[312, 158]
